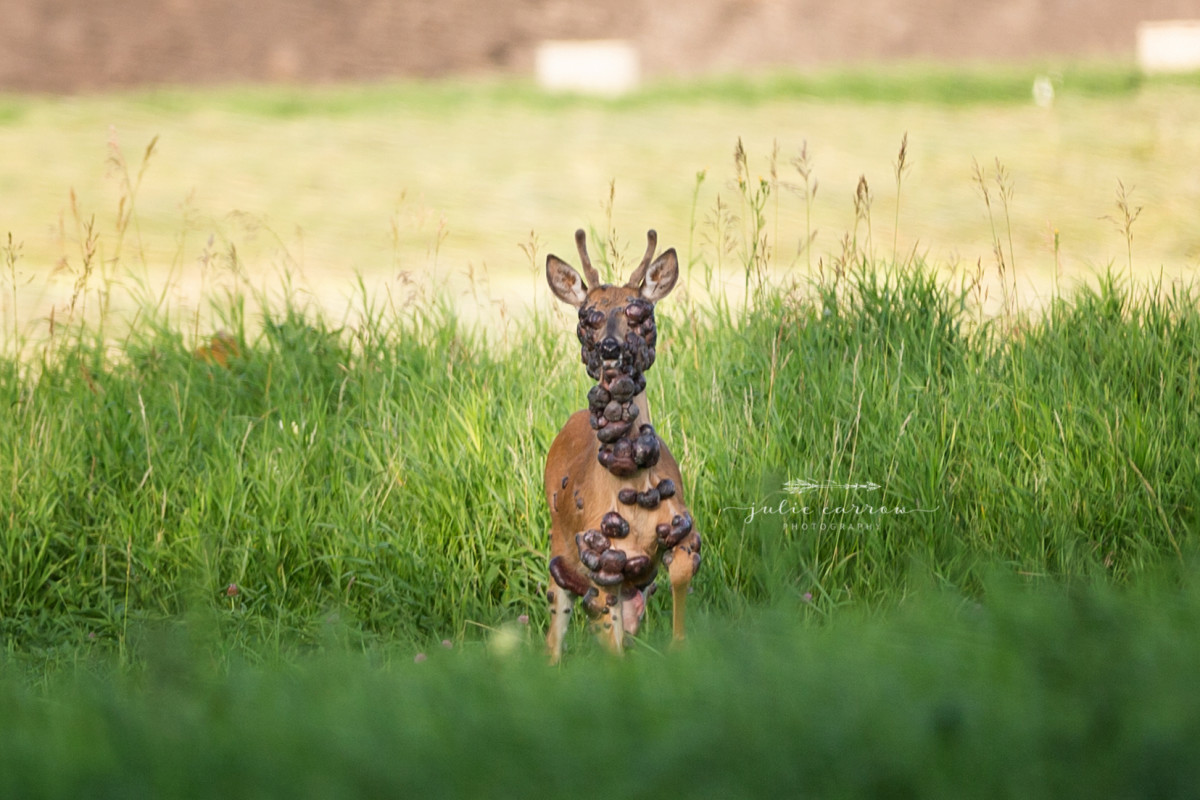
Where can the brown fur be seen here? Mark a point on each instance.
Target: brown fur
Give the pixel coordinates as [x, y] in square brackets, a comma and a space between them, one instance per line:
[220, 349]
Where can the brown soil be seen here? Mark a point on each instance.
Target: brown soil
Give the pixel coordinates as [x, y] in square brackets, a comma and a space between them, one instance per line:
[67, 46]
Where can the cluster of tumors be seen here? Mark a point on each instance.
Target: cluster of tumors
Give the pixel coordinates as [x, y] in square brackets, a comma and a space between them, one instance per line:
[608, 566]
[623, 450]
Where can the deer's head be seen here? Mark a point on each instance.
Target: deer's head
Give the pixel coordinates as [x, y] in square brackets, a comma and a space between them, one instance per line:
[617, 337]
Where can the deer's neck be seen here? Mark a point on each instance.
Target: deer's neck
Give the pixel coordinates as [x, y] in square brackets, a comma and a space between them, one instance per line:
[627, 441]
[643, 406]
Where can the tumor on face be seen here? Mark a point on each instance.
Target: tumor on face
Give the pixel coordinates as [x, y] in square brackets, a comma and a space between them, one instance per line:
[618, 367]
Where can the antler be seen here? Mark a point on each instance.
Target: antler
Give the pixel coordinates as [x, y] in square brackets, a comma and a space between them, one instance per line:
[639, 274]
[589, 272]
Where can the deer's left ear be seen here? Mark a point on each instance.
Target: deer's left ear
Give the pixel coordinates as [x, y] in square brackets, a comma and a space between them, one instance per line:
[660, 277]
[565, 281]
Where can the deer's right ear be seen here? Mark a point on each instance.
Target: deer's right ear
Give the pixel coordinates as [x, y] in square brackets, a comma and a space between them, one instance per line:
[565, 282]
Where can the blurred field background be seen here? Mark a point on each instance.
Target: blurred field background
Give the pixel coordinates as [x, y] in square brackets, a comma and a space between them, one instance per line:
[441, 183]
[407, 141]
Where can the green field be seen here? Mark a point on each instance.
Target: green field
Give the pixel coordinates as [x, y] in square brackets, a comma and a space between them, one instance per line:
[950, 535]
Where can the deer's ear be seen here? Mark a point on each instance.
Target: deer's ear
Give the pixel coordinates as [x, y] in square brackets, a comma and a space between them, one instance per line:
[660, 277]
[565, 282]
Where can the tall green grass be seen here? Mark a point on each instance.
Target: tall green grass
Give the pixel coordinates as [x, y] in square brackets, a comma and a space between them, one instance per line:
[1054, 694]
[388, 471]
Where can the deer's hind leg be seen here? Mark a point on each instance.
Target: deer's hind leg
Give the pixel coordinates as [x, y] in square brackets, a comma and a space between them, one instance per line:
[682, 561]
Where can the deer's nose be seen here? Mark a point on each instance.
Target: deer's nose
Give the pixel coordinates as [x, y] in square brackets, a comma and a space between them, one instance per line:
[610, 347]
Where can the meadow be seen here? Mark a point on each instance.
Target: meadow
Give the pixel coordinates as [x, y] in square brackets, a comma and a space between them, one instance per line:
[445, 182]
[257, 544]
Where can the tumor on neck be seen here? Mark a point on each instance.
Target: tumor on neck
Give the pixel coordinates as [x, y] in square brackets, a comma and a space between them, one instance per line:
[613, 415]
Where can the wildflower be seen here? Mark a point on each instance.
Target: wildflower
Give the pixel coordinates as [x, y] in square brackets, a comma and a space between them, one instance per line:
[808, 597]
[232, 590]
[419, 657]
[523, 619]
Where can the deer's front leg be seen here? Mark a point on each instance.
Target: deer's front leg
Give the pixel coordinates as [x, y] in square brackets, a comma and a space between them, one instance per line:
[608, 622]
[561, 602]
[682, 562]
[567, 585]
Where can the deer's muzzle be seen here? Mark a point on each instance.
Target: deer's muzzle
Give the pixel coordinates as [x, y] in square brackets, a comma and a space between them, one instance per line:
[610, 349]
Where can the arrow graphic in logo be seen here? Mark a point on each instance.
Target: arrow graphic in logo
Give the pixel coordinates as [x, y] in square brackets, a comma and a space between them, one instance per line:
[802, 485]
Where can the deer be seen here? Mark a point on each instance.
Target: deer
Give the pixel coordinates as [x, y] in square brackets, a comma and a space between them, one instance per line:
[614, 490]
